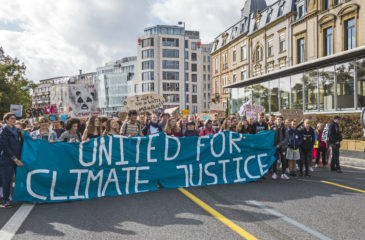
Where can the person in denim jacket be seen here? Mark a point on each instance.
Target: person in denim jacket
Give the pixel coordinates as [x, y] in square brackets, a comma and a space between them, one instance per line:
[293, 152]
[44, 132]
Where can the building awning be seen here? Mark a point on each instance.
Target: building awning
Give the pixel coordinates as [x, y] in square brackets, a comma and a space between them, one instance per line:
[320, 62]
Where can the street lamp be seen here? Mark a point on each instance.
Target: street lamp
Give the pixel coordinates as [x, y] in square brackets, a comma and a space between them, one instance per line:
[184, 87]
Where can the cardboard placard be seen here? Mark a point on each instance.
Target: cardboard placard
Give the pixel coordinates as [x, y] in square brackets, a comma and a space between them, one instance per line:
[292, 114]
[143, 103]
[253, 110]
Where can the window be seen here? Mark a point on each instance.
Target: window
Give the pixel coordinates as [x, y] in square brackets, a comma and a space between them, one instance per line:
[311, 90]
[328, 41]
[209, 86]
[204, 77]
[195, 109]
[170, 87]
[194, 77]
[300, 43]
[205, 87]
[326, 4]
[243, 75]
[194, 88]
[193, 46]
[204, 58]
[216, 65]
[258, 53]
[147, 65]
[326, 88]
[186, 55]
[186, 43]
[338, 1]
[296, 85]
[350, 34]
[147, 53]
[301, 11]
[208, 95]
[281, 9]
[168, 64]
[194, 98]
[268, 18]
[285, 93]
[148, 87]
[243, 52]
[187, 100]
[147, 76]
[172, 98]
[170, 42]
[269, 48]
[204, 68]
[282, 42]
[170, 53]
[208, 58]
[135, 88]
[234, 78]
[234, 56]
[209, 68]
[186, 65]
[345, 85]
[193, 56]
[186, 87]
[186, 77]
[360, 82]
[170, 75]
[147, 42]
[194, 67]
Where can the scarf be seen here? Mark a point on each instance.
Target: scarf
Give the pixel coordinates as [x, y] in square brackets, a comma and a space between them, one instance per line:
[13, 130]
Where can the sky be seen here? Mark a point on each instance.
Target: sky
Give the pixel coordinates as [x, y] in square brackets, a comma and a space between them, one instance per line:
[57, 38]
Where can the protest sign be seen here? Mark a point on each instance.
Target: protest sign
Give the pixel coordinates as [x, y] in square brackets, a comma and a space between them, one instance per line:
[17, 110]
[83, 99]
[42, 111]
[171, 111]
[185, 112]
[116, 165]
[253, 110]
[143, 103]
[216, 107]
[64, 117]
[292, 113]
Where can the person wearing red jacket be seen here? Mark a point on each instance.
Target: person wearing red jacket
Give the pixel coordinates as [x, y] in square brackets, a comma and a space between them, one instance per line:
[322, 146]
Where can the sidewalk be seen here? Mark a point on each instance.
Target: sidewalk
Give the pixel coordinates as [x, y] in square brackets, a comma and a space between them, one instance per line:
[352, 158]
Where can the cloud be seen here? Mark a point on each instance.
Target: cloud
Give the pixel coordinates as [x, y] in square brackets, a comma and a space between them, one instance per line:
[57, 38]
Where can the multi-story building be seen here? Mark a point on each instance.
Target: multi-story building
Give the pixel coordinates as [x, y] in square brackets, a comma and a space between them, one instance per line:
[43, 92]
[206, 49]
[59, 89]
[170, 63]
[114, 83]
[301, 54]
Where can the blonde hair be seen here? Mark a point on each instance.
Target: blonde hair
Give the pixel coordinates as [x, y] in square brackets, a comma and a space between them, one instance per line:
[225, 124]
[168, 128]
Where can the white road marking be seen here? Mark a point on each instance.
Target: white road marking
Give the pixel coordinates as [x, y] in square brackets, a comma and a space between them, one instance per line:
[11, 227]
[290, 220]
[353, 166]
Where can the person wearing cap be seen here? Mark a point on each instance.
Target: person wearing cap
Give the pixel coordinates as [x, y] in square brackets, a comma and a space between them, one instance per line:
[208, 128]
[335, 138]
[191, 131]
[131, 126]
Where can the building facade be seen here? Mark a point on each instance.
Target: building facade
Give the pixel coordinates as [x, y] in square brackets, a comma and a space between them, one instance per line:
[114, 84]
[43, 93]
[301, 54]
[170, 64]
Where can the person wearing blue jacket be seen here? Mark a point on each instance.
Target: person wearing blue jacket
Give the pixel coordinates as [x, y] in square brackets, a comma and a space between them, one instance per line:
[293, 152]
[11, 141]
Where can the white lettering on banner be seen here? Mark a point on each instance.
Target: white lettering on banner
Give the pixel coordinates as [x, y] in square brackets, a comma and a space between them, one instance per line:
[122, 162]
[246, 168]
[137, 150]
[137, 182]
[232, 142]
[81, 156]
[77, 187]
[29, 183]
[239, 178]
[93, 178]
[128, 169]
[223, 162]
[210, 174]
[199, 145]
[200, 175]
[167, 158]
[112, 177]
[53, 197]
[186, 173]
[262, 165]
[150, 148]
[223, 145]
[102, 149]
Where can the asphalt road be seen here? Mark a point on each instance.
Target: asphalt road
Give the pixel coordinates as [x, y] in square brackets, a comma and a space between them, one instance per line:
[302, 208]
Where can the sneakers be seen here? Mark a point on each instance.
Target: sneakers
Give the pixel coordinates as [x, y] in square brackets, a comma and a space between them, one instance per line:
[6, 205]
[284, 176]
[316, 166]
[274, 176]
[287, 171]
[310, 169]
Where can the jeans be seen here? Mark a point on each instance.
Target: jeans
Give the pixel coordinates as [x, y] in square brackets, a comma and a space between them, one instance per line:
[335, 163]
[6, 173]
[306, 157]
[322, 150]
[280, 153]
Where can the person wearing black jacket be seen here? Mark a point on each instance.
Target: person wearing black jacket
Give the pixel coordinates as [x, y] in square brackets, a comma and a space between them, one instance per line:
[335, 138]
[308, 136]
[11, 141]
[190, 131]
[152, 126]
[281, 143]
[261, 125]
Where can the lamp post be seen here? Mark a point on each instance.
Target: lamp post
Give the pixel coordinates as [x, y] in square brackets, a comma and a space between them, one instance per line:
[184, 87]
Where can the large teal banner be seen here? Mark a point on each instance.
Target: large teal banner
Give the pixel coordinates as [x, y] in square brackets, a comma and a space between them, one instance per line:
[116, 165]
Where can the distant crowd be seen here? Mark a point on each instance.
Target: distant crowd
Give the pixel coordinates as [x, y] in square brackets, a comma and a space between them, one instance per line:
[297, 143]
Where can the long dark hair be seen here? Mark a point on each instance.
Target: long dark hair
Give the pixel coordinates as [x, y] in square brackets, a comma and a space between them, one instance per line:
[91, 125]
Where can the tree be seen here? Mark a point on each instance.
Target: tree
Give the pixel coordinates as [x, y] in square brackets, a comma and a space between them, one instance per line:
[14, 87]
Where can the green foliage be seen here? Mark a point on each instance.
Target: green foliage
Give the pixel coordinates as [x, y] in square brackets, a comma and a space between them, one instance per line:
[14, 87]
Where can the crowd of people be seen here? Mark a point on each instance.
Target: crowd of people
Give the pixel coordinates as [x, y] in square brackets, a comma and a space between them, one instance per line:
[297, 143]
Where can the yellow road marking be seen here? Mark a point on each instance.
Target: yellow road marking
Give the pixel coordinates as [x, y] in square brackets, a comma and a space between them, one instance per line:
[219, 216]
[342, 186]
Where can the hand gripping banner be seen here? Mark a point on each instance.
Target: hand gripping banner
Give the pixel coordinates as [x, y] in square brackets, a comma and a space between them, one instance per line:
[116, 165]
